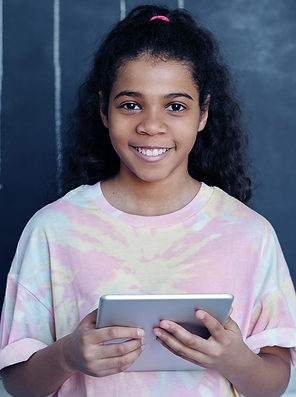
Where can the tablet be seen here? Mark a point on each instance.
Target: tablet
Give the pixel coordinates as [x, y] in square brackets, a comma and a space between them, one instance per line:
[146, 311]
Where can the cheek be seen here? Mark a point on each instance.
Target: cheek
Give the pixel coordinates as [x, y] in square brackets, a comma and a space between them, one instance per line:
[114, 140]
[118, 140]
[114, 131]
[188, 137]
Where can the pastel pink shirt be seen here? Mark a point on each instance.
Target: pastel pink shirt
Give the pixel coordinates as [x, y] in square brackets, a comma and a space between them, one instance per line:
[80, 247]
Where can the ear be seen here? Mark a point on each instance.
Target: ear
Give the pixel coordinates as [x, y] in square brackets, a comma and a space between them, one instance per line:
[204, 114]
[103, 110]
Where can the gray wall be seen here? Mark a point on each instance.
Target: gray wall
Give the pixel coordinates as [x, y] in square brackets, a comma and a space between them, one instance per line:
[258, 38]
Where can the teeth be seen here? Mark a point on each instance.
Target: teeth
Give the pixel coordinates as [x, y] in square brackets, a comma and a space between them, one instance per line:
[154, 152]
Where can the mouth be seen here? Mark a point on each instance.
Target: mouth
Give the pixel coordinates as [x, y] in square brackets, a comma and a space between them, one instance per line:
[151, 152]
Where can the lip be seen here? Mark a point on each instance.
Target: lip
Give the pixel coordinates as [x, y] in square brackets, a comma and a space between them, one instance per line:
[151, 159]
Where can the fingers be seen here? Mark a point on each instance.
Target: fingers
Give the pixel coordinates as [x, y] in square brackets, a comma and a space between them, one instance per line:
[87, 353]
[95, 358]
[98, 366]
[111, 333]
[181, 342]
[181, 353]
[121, 349]
[82, 338]
[119, 357]
[216, 329]
[175, 332]
[117, 365]
[187, 345]
[210, 353]
[91, 343]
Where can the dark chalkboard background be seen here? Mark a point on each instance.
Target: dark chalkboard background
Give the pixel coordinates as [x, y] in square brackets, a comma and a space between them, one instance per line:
[258, 38]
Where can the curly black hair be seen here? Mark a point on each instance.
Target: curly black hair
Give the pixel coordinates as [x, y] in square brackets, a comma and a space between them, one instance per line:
[219, 156]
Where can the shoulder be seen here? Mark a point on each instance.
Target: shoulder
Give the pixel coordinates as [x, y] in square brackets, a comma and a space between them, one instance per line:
[234, 212]
[251, 237]
[242, 225]
[57, 220]
[52, 224]
[71, 205]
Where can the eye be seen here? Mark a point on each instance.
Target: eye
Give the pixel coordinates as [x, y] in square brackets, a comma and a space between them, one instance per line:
[130, 106]
[176, 107]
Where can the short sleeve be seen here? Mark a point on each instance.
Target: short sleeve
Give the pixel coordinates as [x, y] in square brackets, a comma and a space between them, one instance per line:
[27, 317]
[273, 320]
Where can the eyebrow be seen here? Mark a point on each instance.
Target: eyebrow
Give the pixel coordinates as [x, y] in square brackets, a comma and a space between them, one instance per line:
[177, 95]
[129, 93]
[139, 95]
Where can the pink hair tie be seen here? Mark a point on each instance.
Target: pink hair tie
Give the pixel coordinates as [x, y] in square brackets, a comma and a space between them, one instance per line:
[160, 17]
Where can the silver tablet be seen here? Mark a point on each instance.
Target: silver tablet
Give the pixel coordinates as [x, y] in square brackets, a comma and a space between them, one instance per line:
[146, 311]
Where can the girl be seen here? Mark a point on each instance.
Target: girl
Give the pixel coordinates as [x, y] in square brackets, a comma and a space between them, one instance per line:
[155, 138]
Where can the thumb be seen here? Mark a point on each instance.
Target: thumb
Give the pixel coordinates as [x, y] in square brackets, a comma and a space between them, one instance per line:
[230, 313]
[90, 319]
[230, 324]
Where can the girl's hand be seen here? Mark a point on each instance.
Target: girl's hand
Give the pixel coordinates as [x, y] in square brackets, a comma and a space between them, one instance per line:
[222, 352]
[85, 351]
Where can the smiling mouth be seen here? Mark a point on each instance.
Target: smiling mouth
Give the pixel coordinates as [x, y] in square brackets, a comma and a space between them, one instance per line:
[153, 152]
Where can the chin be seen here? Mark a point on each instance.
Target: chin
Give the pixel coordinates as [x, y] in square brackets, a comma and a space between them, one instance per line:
[150, 178]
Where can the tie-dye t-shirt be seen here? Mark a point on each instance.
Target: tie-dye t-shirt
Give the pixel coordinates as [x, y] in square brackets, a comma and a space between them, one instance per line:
[80, 247]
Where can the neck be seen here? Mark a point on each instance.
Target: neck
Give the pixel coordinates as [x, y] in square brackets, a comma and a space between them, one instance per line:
[137, 197]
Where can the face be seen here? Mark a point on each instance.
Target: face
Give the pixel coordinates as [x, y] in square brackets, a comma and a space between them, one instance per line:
[153, 119]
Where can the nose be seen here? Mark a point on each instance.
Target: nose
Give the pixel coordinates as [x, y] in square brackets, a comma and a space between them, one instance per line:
[151, 123]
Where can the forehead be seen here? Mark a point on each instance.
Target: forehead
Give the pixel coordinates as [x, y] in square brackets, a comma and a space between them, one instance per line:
[161, 74]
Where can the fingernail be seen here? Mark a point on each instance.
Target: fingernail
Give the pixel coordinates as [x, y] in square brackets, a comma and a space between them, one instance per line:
[143, 347]
[201, 316]
[141, 332]
[165, 326]
[143, 341]
[157, 334]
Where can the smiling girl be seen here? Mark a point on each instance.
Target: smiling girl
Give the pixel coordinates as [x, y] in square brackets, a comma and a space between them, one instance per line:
[156, 175]
[153, 119]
